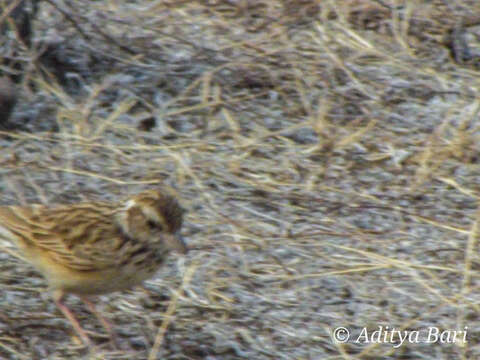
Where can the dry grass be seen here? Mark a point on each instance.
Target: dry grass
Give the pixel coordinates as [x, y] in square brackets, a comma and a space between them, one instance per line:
[327, 152]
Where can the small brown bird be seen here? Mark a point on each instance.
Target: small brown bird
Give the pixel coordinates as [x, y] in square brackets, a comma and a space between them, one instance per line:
[96, 247]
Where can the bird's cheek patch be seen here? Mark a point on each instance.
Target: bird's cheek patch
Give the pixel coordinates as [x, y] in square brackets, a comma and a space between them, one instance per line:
[136, 219]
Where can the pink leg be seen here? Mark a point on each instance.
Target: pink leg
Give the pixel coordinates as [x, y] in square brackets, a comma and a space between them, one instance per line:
[105, 323]
[58, 297]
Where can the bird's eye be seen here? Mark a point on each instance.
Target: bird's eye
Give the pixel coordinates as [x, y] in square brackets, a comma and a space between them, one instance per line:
[153, 225]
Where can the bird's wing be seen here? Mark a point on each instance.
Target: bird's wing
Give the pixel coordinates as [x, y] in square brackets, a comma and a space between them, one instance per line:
[82, 237]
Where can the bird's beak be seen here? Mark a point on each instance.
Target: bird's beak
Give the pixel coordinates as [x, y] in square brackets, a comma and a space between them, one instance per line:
[177, 243]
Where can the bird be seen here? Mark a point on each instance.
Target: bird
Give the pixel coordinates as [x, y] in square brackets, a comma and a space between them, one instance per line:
[94, 248]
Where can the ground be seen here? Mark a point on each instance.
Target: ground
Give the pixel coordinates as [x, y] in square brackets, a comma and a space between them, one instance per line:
[327, 153]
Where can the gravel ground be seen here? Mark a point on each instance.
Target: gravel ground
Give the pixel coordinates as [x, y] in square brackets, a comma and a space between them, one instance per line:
[327, 153]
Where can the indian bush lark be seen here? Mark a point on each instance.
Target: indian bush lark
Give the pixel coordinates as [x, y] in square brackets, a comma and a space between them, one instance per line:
[94, 248]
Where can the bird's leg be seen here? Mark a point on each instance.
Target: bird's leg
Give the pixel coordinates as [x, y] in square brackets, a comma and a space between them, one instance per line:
[58, 297]
[105, 323]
